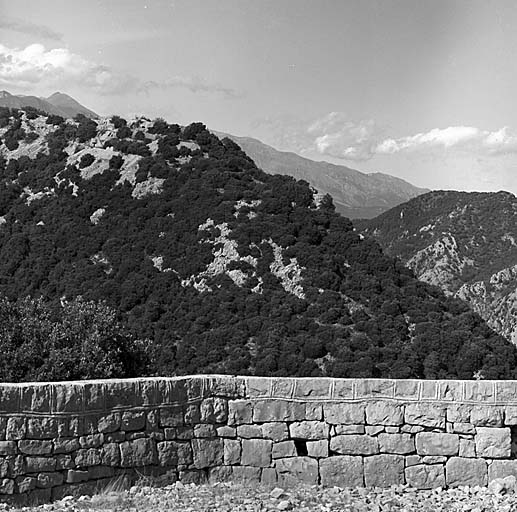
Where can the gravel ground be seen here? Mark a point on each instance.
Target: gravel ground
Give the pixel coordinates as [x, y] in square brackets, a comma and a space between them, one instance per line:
[232, 497]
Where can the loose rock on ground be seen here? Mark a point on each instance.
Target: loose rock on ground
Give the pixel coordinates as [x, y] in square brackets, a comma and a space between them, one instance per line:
[226, 497]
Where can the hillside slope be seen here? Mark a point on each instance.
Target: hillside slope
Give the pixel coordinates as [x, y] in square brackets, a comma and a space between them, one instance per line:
[465, 243]
[355, 194]
[223, 267]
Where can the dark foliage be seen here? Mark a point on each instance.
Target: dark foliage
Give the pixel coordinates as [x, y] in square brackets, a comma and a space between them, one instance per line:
[361, 313]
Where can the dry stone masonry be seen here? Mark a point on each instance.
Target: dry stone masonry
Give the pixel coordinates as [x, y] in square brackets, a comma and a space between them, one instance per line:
[73, 437]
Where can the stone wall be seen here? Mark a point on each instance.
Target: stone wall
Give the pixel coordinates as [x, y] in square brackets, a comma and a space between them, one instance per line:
[63, 438]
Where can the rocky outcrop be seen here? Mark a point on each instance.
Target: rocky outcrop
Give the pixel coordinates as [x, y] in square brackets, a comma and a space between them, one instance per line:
[465, 243]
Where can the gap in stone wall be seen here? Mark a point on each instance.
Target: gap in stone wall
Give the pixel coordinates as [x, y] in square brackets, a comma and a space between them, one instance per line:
[301, 447]
[513, 431]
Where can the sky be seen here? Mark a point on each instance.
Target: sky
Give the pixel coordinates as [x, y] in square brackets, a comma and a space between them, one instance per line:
[422, 90]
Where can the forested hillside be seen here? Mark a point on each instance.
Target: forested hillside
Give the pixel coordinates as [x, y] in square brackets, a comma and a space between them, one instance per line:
[465, 243]
[213, 264]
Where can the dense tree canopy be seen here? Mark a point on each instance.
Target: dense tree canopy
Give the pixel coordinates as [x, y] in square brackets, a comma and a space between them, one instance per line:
[221, 267]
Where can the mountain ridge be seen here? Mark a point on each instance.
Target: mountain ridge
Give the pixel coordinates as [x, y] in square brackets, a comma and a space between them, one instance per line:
[356, 194]
[58, 103]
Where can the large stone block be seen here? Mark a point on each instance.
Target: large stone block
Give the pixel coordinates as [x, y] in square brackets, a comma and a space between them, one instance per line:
[232, 451]
[66, 444]
[462, 471]
[318, 449]
[45, 427]
[6, 486]
[396, 443]
[68, 397]
[354, 445]
[25, 483]
[458, 413]
[246, 474]
[171, 416]
[110, 454]
[207, 452]
[36, 398]
[93, 394]
[88, 457]
[309, 430]
[384, 413]
[64, 461]
[510, 415]
[18, 466]
[342, 471]
[425, 476]
[425, 415]
[256, 452]
[35, 447]
[47, 480]
[268, 477]
[192, 414]
[240, 412]
[486, 416]
[220, 474]
[383, 470]
[436, 443]
[75, 476]
[8, 448]
[467, 448]
[374, 388]
[109, 422]
[40, 464]
[226, 431]
[91, 440]
[494, 443]
[16, 428]
[9, 398]
[284, 449]
[172, 453]
[275, 431]
[132, 420]
[343, 388]
[344, 413]
[250, 431]
[137, 453]
[295, 470]
[278, 410]
[312, 388]
[258, 387]
[122, 393]
[205, 430]
[214, 410]
[502, 469]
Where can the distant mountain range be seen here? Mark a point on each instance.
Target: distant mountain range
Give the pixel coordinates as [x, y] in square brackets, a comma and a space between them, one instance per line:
[355, 194]
[465, 243]
[58, 104]
[216, 265]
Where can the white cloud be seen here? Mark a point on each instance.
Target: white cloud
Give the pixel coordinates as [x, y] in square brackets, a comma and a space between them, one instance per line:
[34, 68]
[338, 136]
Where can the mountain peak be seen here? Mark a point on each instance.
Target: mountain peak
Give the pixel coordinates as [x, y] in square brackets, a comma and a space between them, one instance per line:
[5, 94]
